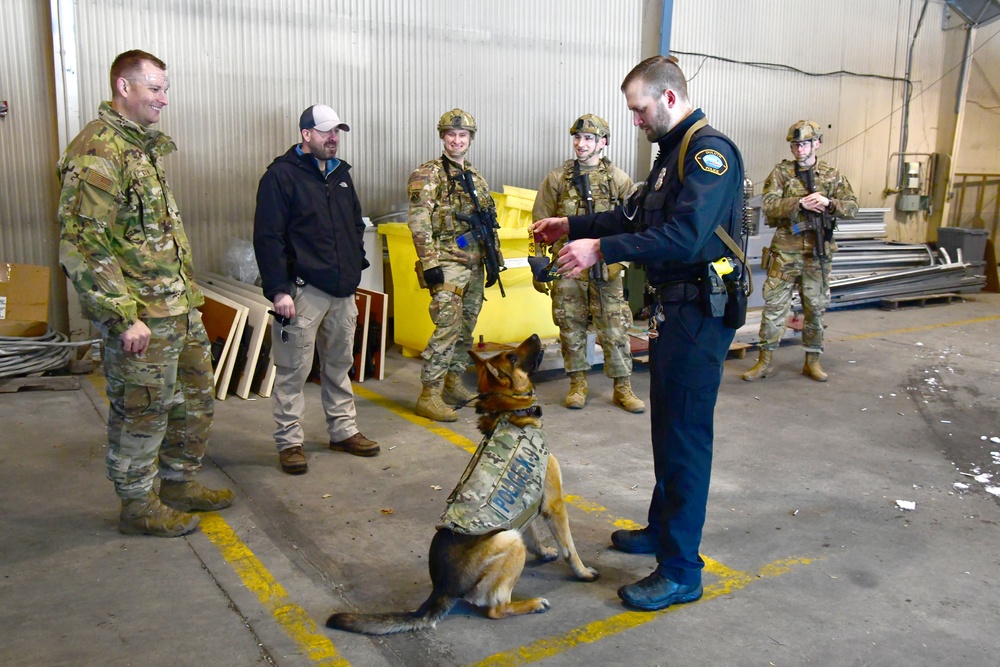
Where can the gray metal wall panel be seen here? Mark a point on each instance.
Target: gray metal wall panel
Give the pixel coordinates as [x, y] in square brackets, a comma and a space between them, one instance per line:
[242, 70]
[28, 191]
[861, 116]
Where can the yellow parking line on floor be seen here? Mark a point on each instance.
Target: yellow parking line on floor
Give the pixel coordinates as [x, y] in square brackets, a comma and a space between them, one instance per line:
[923, 327]
[407, 414]
[593, 632]
[272, 595]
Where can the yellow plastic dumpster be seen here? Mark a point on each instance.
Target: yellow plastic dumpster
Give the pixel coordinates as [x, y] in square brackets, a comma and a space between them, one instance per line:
[502, 320]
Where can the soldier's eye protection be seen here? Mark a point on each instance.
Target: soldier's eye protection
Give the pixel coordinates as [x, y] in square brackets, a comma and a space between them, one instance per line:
[282, 322]
[800, 144]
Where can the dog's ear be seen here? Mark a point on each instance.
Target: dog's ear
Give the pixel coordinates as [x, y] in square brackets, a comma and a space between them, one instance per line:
[482, 364]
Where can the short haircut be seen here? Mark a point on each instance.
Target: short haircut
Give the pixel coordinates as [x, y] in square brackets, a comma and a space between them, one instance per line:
[129, 63]
[658, 73]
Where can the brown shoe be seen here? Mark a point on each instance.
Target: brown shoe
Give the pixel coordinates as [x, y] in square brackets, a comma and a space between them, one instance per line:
[293, 461]
[357, 444]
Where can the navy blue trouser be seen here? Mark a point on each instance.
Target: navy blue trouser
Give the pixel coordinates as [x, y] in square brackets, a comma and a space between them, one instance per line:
[685, 374]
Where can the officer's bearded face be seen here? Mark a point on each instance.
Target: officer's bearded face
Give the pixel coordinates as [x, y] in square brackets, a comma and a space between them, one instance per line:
[144, 94]
[322, 145]
[649, 112]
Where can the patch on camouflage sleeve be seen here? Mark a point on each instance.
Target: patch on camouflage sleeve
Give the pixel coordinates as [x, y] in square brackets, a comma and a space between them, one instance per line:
[100, 181]
[712, 161]
[414, 196]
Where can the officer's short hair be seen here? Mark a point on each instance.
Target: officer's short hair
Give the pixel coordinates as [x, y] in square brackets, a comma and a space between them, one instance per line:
[130, 62]
[659, 73]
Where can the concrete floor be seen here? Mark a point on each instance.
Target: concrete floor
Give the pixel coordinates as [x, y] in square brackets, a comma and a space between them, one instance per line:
[810, 560]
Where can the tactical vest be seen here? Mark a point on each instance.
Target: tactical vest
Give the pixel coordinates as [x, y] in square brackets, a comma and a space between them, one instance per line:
[501, 488]
[573, 201]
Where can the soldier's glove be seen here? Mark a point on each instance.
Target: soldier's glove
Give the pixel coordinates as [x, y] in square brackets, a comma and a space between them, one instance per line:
[615, 270]
[434, 276]
[540, 287]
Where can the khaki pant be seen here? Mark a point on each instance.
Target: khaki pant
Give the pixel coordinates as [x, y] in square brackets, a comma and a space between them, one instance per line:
[327, 324]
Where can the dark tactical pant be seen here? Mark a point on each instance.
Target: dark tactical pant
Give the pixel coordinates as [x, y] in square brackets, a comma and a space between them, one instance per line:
[801, 270]
[454, 319]
[685, 364]
[161, 404]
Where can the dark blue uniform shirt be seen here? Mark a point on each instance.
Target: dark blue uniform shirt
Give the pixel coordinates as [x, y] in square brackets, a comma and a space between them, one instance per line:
[673, 233]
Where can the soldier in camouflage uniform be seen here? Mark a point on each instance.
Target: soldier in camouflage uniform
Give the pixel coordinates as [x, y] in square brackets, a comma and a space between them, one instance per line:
[125, 250]
[598, 294]
[454, 276]
[793, 258]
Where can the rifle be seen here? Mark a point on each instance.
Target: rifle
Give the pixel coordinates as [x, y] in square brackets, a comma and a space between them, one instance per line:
[482, 222]
[822, 223]
[581, 182]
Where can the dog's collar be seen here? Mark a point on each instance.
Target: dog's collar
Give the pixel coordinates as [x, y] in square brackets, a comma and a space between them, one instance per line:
[477, 397]
[533, 411]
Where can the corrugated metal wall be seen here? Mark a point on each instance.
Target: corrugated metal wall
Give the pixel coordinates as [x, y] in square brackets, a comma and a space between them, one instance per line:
[28, 189]
[861, 117]
[242, 71]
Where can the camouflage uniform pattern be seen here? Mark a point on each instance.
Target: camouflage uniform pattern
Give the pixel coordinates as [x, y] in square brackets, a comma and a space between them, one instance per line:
[501, 488]
[575, 301]
[124, 248]
[435, 201]
[161, 405]
[122, 243]
[794, 263]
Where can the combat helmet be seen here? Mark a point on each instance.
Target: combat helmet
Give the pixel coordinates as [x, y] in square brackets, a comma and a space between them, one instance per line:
[591, 124]
[804, 130]
[456, 119]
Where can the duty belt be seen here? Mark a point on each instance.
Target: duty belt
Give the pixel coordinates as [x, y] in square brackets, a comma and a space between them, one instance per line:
[675, 291]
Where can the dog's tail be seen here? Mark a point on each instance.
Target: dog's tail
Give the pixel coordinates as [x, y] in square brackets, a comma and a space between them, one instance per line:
[433, 610]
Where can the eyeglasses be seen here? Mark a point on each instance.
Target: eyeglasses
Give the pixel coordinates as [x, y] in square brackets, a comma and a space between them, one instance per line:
[282, 322]
[800, 144]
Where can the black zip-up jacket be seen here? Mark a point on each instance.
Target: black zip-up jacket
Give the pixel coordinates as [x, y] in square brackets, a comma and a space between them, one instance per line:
[308, 227]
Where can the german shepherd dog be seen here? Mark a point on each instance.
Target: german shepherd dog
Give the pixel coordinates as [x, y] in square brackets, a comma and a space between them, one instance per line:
[482, 569]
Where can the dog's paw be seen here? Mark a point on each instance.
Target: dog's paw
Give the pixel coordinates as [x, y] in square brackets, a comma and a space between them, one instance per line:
[543, 606]
[548, 554]
[590, 574]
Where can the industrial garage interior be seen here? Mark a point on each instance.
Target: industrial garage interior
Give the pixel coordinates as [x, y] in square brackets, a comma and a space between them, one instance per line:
[852, 522]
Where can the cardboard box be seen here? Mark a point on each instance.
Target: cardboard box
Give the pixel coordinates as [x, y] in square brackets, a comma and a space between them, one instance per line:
[24, 299]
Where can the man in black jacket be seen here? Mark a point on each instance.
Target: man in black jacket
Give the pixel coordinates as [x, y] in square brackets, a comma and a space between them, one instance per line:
[308, 241]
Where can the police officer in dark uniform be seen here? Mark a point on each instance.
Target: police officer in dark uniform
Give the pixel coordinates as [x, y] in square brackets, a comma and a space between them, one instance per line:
[669, 225]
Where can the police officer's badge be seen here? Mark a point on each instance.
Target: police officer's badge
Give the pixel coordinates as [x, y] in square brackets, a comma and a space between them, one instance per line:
[659, 179]
[712, 161]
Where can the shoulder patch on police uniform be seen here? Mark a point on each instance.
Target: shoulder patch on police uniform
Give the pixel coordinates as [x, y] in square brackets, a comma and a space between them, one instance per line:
[100, 181]
[712, 161]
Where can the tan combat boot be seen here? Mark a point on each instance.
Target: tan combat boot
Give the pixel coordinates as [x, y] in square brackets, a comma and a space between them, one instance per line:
[577, 396]
[148, 516]
[762, 368]
[431, 406]
[812, 369]
[191, 496]
[625, 398]
[455, 392]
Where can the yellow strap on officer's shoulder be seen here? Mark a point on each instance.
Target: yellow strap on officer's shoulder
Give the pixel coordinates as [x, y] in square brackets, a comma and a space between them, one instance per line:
[719, 231]
[684, 144]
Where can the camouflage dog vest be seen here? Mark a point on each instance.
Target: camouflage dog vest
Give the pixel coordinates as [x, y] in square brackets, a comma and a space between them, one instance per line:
[501, 488]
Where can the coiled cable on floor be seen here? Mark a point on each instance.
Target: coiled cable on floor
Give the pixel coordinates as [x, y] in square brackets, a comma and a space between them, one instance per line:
[21, 355]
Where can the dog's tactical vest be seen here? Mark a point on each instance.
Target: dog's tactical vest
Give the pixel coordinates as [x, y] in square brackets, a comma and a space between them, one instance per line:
[501, 488]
